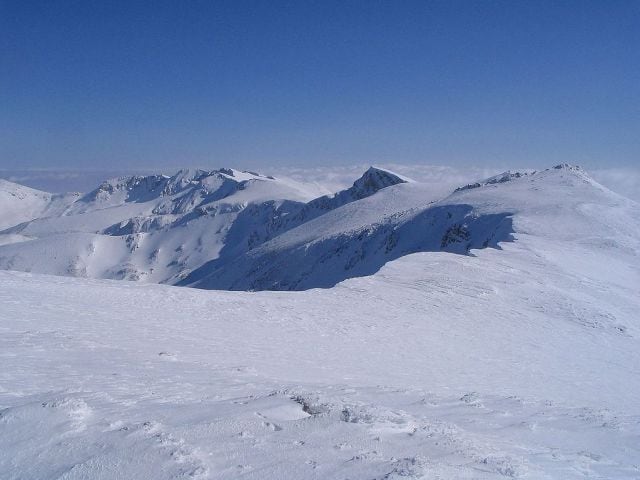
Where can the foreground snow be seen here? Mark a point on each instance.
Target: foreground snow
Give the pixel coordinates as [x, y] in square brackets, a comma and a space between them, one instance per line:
[520, 363]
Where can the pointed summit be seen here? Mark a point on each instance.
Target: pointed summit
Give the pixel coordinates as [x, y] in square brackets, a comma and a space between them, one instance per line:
[373, 180]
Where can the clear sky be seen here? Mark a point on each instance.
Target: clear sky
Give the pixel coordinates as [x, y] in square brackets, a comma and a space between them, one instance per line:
[133, 84]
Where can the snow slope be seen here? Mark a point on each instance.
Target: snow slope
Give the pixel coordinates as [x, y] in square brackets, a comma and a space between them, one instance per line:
[20, 204]
[520, 363]
[561, 204]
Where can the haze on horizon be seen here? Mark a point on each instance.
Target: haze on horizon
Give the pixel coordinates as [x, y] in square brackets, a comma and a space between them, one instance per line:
[159, 85]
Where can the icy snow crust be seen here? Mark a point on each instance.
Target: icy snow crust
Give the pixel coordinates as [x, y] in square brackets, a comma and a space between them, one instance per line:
[515, 362]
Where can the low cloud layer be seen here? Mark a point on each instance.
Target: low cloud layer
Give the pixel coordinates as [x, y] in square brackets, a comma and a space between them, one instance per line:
[625, 181]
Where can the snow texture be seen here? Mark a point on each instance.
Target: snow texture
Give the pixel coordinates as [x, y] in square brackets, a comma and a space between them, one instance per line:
[501, 342]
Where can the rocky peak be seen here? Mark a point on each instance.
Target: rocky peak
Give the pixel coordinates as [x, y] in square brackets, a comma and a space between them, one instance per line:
[373, 180]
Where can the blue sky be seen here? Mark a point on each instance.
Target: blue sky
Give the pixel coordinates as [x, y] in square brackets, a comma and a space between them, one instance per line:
[115, 85]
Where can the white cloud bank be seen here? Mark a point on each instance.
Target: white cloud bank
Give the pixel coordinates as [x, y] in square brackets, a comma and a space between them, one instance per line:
[623, 180]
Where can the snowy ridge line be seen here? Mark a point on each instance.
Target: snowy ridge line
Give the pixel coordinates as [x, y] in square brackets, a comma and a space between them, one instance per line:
[512, 175]
[326, 260]
[227, 229]
[159, 228]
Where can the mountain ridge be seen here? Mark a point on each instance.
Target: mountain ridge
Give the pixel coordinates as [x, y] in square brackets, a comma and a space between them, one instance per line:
[228, 229]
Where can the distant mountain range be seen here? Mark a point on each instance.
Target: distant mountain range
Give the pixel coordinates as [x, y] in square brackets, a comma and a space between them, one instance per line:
[227, 229]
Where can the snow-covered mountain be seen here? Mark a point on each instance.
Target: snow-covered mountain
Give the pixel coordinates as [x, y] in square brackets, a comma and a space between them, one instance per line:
[227, 229]
[496, 337]
[152, 228]
[20, 204]
[562, 204]
[160, 228]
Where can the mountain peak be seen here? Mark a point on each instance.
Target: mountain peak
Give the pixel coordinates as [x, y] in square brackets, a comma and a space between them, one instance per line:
[567, 166]
[189, 174]
[373, 180]
[510, 175]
